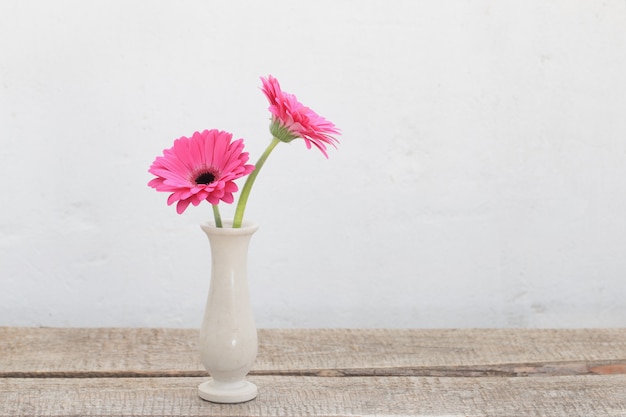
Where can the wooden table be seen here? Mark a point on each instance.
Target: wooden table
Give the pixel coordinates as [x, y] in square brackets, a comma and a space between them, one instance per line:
[155, 372]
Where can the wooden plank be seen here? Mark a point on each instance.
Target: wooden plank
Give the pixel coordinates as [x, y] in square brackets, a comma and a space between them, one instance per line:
[33, 352]
[453, 352]
[584, 396]
[54, 352]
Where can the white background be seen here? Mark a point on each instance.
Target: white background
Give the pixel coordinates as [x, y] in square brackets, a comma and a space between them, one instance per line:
[480, 180]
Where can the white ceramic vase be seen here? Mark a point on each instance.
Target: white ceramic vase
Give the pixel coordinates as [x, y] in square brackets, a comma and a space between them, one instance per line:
[228, 337]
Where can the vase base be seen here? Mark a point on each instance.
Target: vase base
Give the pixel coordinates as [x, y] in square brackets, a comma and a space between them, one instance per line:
[227, 392]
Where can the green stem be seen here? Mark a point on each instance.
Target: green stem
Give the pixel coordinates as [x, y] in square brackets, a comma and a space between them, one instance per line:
[247, 186]
[216, 215]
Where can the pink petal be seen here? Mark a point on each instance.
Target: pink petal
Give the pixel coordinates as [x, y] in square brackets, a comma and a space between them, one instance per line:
[182, 206]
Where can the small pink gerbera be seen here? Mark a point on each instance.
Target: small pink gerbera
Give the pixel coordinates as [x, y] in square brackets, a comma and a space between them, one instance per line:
[203, 167]
[291, 119]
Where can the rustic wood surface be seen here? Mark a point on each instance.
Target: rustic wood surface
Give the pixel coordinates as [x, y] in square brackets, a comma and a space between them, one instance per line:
[469, 372]
[566, 396]
[39, 352]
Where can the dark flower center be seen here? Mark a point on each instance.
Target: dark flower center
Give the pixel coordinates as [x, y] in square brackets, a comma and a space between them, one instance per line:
[205, 178]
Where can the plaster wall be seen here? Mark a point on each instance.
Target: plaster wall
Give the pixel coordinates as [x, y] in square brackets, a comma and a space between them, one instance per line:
[480, 180]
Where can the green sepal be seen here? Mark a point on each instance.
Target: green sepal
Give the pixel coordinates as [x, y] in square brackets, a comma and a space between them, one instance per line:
[281, 133]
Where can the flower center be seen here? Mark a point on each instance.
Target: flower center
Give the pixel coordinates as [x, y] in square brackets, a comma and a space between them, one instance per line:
[205, 178]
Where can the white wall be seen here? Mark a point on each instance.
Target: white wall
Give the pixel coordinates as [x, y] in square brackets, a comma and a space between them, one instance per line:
[480, 182]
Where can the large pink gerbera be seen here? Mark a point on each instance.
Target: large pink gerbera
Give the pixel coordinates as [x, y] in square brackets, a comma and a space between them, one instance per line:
[291, 119]
[200, 168]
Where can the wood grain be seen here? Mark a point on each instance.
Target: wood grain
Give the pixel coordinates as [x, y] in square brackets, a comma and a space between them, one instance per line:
[111, 352]
[580, 396]
[473, 372]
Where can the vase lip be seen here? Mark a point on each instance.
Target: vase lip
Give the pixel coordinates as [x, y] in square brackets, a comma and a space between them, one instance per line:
[247, 227]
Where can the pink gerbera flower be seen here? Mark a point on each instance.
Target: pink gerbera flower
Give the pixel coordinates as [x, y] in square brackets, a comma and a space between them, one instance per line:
[203, 167]
[291, 119]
